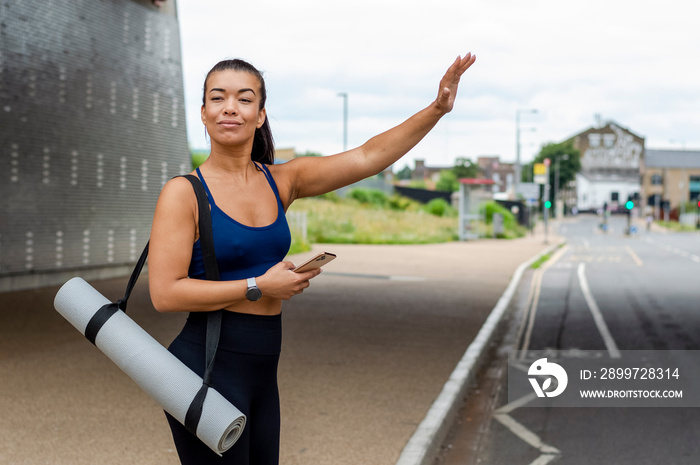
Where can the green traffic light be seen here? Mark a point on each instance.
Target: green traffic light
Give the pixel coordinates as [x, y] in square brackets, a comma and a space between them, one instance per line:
[629, 205]
[547, 204]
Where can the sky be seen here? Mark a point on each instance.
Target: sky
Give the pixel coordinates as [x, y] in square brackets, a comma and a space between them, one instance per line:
[632, 62]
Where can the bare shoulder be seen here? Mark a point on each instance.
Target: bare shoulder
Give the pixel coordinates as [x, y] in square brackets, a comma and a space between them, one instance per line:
[177, 187]
[177, 194]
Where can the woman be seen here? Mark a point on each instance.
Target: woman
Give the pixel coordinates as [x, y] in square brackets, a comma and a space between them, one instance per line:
[248, 196]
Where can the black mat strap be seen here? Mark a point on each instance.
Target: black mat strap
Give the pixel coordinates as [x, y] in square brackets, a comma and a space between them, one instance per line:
[106, 311]
[134, 277]
[99, 319]
[194, 412]
[206, 238]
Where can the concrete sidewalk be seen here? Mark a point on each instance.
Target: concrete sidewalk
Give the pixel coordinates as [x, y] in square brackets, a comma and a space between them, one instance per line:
[366, 351]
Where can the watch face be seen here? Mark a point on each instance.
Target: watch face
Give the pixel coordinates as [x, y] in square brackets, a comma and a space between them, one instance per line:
[253, 293]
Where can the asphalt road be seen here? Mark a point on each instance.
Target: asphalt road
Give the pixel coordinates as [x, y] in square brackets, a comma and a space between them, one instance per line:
[604, 293]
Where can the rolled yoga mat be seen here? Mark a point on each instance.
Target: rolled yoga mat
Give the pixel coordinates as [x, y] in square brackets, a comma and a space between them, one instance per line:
[158, 372]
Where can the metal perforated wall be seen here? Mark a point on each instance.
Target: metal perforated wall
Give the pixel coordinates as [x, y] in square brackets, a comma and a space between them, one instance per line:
[92, 125]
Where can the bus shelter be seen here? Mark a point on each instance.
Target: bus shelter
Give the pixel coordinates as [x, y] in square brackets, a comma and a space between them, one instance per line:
[473, 193]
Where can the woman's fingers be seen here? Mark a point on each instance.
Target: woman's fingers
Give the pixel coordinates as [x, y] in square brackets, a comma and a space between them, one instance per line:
[450, 81]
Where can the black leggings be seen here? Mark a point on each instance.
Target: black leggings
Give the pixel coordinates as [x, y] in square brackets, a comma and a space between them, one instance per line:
[245, 373]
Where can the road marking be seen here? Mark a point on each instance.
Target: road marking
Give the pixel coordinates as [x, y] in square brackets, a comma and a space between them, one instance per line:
[535, 297]
[597, 316]
[634, 256]
[525, 434]
[530, 311]
[674, 250]
[516, 403]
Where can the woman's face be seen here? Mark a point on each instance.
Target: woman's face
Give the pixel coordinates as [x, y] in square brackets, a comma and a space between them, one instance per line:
[231, 110]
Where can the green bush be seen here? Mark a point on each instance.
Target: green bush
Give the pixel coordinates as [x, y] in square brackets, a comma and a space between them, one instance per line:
[374, 197]
[440, 207]
[510, 225]
[298, 245]
[330, 196]
[448, 181]
[401, 203]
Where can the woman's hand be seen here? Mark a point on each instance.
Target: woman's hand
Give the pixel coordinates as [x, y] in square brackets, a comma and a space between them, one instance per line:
[280, 282]
[450, 81]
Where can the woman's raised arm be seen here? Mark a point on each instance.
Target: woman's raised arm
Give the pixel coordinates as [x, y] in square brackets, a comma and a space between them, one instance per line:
[310, 176]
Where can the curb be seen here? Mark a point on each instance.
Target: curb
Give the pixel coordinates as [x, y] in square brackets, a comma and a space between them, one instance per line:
[423, 445]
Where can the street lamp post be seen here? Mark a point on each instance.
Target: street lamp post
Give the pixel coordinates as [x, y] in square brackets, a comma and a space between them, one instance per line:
[517, 145]
[344, 95]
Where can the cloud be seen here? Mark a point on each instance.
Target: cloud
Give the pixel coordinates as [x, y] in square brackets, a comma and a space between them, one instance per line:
[630, 61]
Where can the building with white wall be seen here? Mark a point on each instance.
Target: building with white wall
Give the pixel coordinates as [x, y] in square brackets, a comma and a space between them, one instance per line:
[611, 157]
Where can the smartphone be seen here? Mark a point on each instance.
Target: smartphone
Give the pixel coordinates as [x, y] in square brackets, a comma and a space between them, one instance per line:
[315, 262]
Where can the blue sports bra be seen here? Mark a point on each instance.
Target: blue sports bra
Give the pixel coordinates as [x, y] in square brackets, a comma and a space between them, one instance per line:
[243, 251]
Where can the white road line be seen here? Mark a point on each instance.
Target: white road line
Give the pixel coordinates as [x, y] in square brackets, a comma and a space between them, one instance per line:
[597, 316]
[674, 250]
[516, 404]
[525, 434]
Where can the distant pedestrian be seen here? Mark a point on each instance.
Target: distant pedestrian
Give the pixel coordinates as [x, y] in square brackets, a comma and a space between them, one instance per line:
[249, 195]
[649, 220]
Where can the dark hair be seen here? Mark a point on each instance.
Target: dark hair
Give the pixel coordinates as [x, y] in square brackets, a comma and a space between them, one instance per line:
[263, 143]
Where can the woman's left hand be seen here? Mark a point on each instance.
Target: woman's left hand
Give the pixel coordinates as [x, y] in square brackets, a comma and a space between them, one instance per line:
[450, 81]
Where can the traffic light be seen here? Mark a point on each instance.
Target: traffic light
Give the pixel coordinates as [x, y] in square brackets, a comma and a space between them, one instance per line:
[629, 205]
[547, 204]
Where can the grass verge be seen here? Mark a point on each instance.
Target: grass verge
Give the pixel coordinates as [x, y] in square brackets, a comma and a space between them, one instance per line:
[351, 222]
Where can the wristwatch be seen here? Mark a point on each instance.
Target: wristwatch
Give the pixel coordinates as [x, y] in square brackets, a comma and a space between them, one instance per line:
[253, 292]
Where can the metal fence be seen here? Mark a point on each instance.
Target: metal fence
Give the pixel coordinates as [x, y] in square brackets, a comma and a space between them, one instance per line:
[298, 225]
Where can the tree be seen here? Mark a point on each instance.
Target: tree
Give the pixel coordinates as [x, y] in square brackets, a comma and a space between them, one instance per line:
[568, 166]
[465, 168]
[404, 173]
[448, 181]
